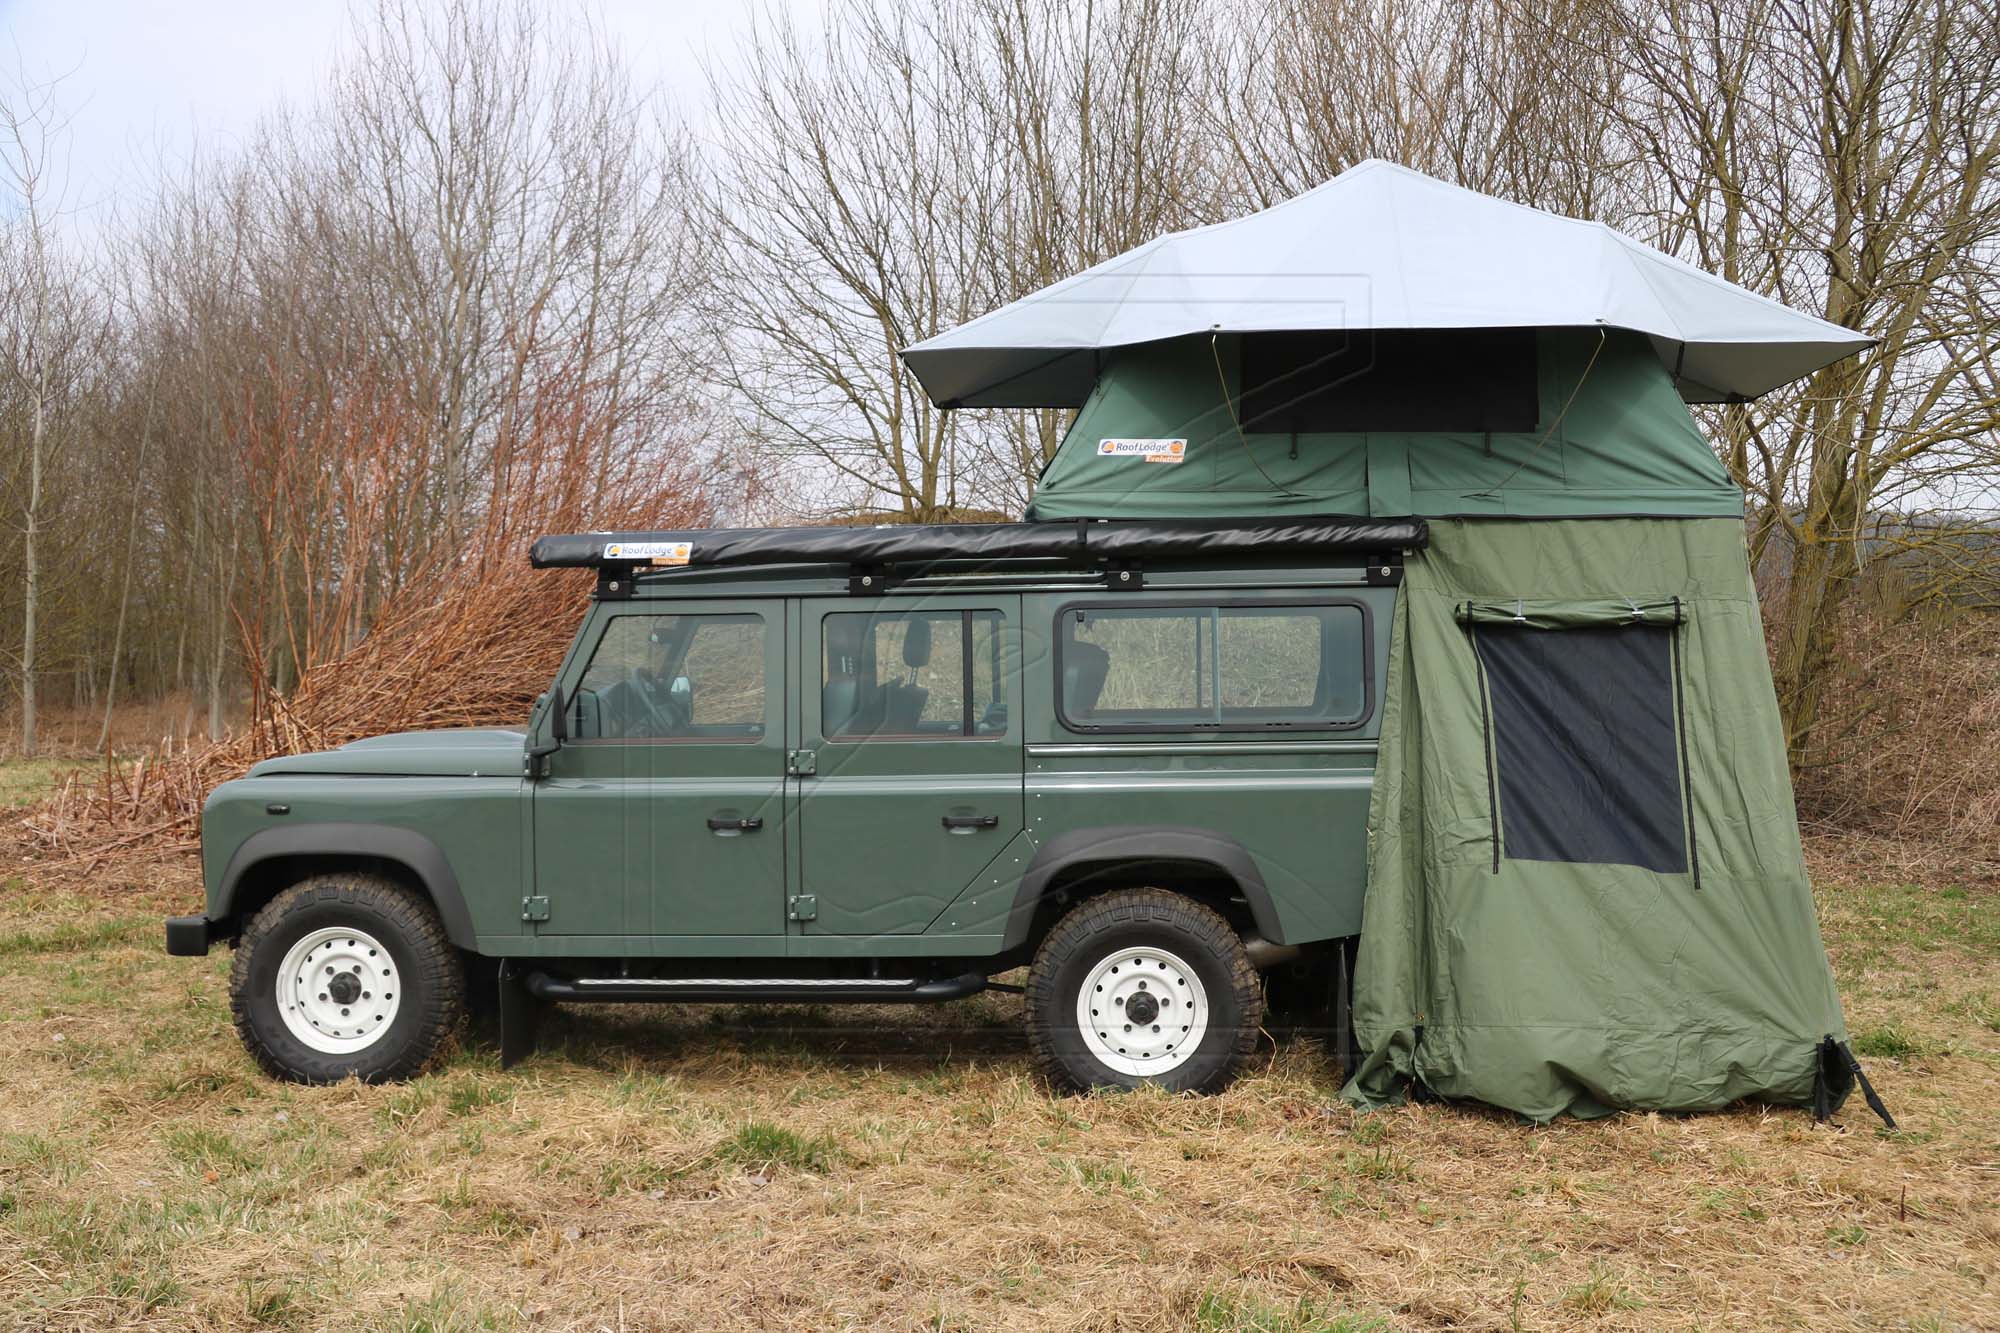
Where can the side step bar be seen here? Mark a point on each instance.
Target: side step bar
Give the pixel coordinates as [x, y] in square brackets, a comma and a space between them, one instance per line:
[525, 995]
[727, 990]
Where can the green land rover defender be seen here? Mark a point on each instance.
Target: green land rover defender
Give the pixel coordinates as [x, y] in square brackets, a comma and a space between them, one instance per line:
[862, 766]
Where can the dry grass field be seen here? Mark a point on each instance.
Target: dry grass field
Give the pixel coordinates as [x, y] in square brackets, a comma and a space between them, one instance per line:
[707, 1168]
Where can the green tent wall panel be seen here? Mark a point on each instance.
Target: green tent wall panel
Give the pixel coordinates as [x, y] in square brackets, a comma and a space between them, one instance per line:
[1550, 987]
[1612, 437]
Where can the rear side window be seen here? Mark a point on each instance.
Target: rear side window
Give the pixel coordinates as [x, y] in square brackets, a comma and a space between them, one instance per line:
[1220, 667]
[1584, 753]
[912, 675]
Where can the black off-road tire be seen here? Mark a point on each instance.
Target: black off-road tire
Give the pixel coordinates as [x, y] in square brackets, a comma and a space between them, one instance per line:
[1142, 918]
[426, 967]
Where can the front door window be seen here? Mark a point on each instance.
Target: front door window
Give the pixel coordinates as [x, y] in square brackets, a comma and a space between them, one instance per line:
[675, 677]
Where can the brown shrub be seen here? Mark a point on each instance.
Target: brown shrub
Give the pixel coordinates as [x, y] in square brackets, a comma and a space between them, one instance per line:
[466, 635]
[473, 654]
[1908, 746]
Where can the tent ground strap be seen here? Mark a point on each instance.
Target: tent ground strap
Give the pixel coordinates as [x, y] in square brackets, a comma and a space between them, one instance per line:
[1834, 1055]
[1867, 1088]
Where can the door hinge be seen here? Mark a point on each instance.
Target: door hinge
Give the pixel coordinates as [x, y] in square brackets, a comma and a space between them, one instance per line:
[534, 909]
[805, 907]
[801, 763]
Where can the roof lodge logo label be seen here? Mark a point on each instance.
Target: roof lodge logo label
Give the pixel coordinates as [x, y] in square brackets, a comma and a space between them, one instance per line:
[1149, 451]
[650, 553]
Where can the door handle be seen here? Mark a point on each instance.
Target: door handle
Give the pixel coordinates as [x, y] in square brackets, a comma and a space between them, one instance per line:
[971, 821]
[749, 825]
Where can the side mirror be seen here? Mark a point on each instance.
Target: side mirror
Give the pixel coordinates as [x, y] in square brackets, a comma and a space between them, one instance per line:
[558, 733]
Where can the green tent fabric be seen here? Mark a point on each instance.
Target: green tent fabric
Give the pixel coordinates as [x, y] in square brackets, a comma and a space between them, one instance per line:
[1588, 689]
[1612, 437]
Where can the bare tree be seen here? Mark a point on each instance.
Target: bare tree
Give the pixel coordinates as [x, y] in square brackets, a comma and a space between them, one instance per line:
[908, 168]
[481, 183]
[128, 563]
[357, 321]
[1481, 94]
[45, 335]
[1844, 157]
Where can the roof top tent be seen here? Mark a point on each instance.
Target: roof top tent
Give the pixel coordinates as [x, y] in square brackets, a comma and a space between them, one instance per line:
[1385, 344]
[1586, 887]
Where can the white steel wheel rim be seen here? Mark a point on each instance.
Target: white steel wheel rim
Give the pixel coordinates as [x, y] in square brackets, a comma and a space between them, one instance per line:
[1142, 1011]
[338, 990]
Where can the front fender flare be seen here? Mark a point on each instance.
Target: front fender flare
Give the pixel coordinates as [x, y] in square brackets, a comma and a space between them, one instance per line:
[1124, 843]
[408, 848]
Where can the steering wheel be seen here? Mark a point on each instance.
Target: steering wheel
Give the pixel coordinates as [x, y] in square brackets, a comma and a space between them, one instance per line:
[666, 715]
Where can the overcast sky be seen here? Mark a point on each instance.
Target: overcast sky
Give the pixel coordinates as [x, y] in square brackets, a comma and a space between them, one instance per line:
[148, 79]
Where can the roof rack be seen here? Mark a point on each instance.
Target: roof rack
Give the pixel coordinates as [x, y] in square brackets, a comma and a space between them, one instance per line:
[1114, 545]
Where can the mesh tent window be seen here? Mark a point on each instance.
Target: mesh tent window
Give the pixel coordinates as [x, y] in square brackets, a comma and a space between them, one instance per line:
[1584, 744]
[1390, 380]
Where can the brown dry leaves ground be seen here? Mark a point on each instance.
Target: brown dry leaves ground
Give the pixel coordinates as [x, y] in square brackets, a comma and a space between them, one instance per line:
[702, 1169]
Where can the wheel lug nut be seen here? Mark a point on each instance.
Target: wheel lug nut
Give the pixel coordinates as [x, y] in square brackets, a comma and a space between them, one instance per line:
[1128, 1027]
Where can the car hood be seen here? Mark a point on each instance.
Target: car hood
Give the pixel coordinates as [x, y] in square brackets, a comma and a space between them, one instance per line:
[452, 752]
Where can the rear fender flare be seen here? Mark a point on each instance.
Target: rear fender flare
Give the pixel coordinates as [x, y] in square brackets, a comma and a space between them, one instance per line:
[335, 840]
[1118, 843]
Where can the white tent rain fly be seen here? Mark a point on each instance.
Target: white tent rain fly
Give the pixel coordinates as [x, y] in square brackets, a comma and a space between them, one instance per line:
[1380, 247]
